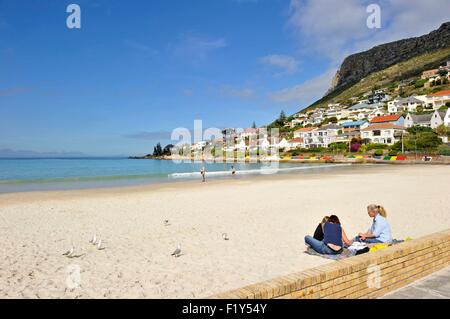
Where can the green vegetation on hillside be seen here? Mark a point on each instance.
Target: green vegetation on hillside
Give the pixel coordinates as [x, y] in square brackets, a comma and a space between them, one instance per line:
[391, 77]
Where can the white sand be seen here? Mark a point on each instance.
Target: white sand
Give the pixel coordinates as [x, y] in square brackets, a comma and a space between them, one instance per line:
[266, 219]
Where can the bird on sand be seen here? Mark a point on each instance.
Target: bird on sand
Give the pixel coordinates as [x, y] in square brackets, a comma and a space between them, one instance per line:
[100, 245]
[70, 252]
[93, 241]
[177, 252]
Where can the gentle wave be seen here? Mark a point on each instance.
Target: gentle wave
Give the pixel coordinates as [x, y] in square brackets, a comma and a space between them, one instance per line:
[261, 171]
[80, 179]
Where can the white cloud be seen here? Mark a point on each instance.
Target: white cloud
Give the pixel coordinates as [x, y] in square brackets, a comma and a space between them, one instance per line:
[307, 92]
[287, 63]
[336, 28]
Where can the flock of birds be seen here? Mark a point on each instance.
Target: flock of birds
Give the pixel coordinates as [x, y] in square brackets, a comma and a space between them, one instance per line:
[97, 242]
[100, 245]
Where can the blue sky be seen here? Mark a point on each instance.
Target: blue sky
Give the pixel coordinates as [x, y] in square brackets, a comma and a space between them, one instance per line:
[138, 69]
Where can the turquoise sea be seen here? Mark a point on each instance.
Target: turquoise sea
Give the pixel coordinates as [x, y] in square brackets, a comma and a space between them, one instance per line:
[18, 175]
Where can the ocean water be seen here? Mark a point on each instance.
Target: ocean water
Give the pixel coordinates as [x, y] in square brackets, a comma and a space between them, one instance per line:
[19, 175]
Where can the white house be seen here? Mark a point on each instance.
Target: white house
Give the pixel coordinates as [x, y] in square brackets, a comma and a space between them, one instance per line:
[241, 146]
[323, 136]
[427, 101]
[439, 99]
[437, 118]
[384, 133]
[297, 121]
[297, 142]
[375, 113]
[264, 144]
[431, 120]
[394, 106]
[284, 144]
[304, 132]
[447, 118]
[410, 104]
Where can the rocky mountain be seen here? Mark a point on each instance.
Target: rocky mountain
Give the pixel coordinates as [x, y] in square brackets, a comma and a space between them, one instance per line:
[357, 66]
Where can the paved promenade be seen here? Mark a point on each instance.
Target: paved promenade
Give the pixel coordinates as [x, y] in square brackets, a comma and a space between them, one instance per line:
[435, 286]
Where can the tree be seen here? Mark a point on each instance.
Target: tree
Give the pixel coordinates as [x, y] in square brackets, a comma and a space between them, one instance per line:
[419, 139]
[442, 72]
[253, 124]
[442, 130]
[420, 83]
[167, 149]
[282, 118]
[157, 150]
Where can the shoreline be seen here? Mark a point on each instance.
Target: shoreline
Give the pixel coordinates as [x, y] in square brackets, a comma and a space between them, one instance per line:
[265, 217]
[107, 182]
[180, 184]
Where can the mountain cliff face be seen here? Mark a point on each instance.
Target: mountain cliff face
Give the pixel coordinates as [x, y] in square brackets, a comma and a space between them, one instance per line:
[357, 66]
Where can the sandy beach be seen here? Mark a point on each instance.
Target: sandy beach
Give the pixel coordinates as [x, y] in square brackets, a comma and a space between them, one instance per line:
[265, 218]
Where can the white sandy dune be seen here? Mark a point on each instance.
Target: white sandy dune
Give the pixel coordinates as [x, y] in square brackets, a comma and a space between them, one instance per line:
[266, 219]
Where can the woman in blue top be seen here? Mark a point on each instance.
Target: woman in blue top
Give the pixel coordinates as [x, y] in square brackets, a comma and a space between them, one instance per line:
[380, 231]
[334, 238]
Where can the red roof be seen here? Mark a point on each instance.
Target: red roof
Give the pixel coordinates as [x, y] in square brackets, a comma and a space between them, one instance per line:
[441, 93]
[386, 118]
[297, 140]
[305, 129]
[383, 126]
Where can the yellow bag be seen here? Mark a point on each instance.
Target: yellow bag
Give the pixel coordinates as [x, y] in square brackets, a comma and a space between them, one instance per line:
[378, 247]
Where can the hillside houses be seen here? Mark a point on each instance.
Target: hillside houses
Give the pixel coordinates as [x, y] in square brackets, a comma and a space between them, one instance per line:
[375, 117]
[409, 104]
[384, 133]
[439, 99]
[431, 120]
[396, 119]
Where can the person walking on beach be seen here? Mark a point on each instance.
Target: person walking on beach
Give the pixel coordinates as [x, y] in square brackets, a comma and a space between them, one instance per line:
[203, 172]
[334, 238]
[380, 231]
[233, 171]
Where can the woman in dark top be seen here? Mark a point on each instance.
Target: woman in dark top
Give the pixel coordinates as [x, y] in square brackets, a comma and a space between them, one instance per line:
[318, 234]
[334, 238]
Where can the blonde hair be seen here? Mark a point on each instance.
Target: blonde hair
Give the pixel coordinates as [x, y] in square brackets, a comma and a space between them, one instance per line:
[377, 209]
[325, 219]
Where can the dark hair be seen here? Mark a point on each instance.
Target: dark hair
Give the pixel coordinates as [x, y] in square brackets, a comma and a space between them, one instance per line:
[334, 219]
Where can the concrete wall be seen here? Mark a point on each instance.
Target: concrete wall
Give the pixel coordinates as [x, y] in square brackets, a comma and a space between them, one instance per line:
[370, 275]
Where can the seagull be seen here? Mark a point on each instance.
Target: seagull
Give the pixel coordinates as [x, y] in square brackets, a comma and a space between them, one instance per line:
[69, 253]
[166, 222]
[177, 252]
[225, 236]
[93, 241]
[99, 245]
